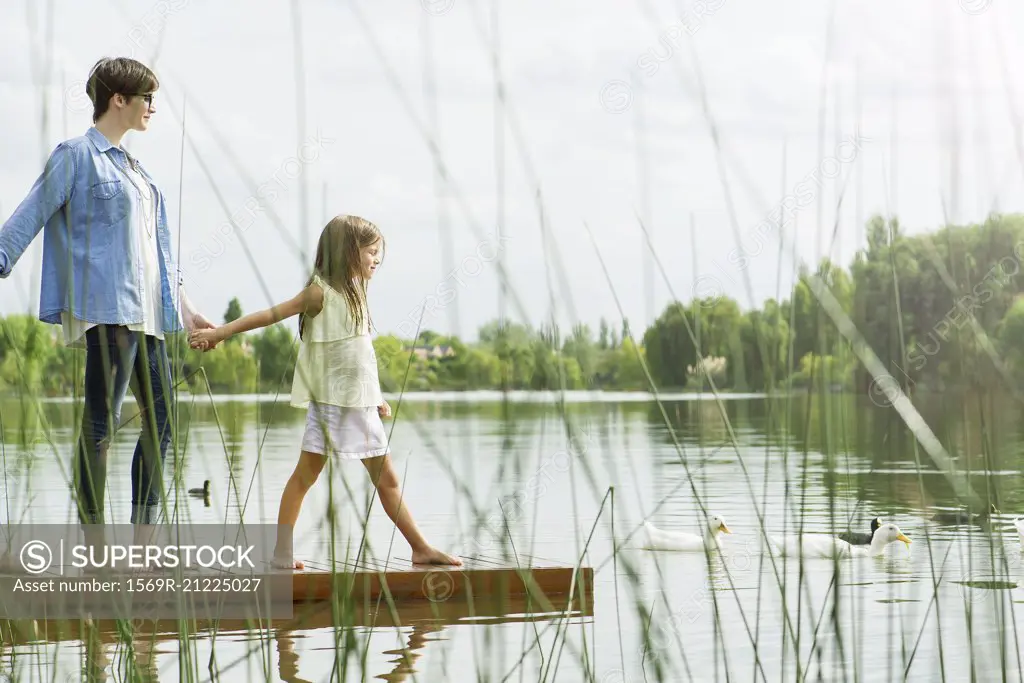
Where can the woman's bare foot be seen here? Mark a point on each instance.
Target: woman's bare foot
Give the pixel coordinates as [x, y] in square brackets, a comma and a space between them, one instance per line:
[145, 570]
[434, 556]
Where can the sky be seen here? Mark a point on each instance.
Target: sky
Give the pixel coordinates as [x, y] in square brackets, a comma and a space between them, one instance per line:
[692, 121]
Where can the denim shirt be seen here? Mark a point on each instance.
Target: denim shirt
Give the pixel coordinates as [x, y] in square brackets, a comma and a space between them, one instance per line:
[91, 261]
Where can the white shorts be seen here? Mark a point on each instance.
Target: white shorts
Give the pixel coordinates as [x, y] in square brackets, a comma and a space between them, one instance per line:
[342, 432]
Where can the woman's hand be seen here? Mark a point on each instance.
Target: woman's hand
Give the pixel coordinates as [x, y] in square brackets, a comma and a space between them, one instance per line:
[200, 323]
[384, 410]
[206, 338]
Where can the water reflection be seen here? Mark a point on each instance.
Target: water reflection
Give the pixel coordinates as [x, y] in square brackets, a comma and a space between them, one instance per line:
[407, 656]
[856, 439]
[287, 658]
[117, 651]
[857, 449]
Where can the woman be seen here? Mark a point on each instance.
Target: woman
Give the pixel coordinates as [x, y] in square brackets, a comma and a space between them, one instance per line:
[109, 280]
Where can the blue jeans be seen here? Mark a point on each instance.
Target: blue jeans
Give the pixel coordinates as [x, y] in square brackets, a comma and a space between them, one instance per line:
[115, 359]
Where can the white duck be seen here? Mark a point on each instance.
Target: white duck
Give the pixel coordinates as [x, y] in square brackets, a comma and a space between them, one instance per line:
[680, 540]
[822, 546]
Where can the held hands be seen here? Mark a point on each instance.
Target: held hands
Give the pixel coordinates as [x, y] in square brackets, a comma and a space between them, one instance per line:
[204, 339]
[384, 410]
[199, 323]
[203, 334]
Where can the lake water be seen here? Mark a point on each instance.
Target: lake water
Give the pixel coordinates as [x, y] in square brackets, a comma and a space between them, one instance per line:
[831, 463]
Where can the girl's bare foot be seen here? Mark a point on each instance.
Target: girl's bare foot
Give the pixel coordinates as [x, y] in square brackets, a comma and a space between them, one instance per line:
[286, 563]
[434, 556]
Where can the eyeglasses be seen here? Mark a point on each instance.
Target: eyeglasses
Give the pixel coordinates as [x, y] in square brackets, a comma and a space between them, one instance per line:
[146, 96]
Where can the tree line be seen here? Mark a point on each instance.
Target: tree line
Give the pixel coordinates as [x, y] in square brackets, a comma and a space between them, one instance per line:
[940, 310]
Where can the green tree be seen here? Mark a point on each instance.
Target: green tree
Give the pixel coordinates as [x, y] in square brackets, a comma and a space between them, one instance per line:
[448, 370]
[512, 343]
[764, 344]
[620, 368]
[717, 325]
[581, 347]
[234, 311]
[602, 336]
[813, 327]
[669, 346]
[392, 361]
[473, 368]
[429, 338]
[551, 370]
[26, 348]
[914, 297]
[230, 368]
[275, 350]
[1010, 334]
[822, 371]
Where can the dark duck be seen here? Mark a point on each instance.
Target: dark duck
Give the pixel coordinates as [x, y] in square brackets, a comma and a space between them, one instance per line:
[860, 538]
[203, 493]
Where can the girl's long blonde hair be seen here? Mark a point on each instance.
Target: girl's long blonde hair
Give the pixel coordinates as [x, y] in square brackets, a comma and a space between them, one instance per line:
[338, 262]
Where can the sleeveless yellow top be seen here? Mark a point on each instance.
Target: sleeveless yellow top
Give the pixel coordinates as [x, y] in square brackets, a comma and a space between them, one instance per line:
[336, 363]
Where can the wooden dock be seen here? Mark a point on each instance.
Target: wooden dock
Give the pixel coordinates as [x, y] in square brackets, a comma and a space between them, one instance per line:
[396, 593]
[548, 583]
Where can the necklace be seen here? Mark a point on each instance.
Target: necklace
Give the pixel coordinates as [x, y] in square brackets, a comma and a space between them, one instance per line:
[147, 194]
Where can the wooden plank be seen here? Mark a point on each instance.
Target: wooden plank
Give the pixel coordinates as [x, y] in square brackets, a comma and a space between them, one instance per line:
[440, 584]
[547, 584]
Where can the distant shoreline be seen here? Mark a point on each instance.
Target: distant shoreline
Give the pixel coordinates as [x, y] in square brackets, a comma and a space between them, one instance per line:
[477, 396]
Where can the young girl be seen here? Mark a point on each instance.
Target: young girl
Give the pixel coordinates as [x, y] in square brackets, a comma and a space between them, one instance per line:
[336, 379]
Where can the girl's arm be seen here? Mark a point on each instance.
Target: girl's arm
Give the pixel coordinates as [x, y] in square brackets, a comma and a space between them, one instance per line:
[309, 300]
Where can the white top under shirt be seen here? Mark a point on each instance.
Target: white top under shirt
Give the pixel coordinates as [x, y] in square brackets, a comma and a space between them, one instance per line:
[152, 306]
[336, 363]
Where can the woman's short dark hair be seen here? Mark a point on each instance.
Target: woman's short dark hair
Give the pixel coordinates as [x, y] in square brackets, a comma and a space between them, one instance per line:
[119, 75]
